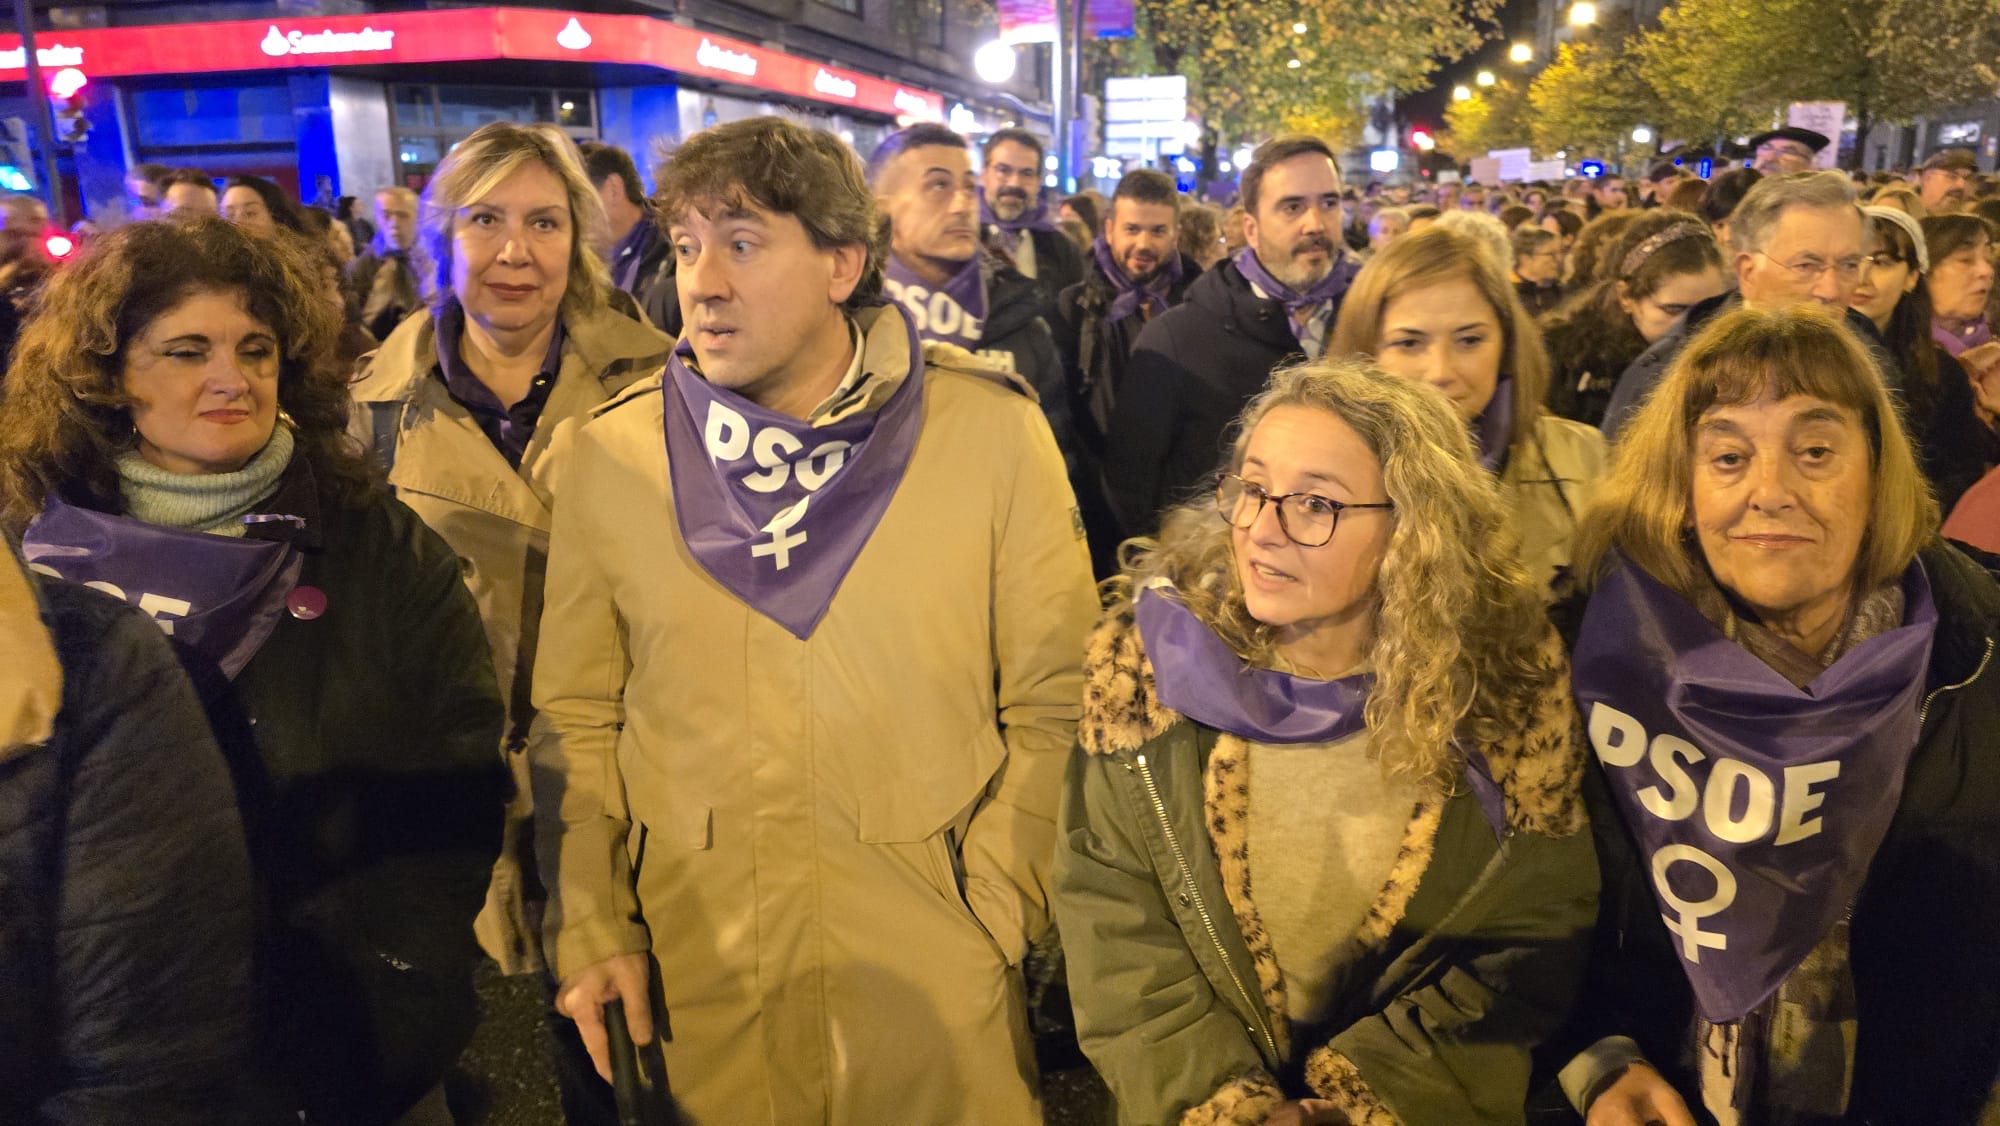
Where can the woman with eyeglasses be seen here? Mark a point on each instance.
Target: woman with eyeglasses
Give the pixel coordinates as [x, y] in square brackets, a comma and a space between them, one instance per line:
[1940, 405]
[1437, 308]
[1315, 710]
[1665, 263]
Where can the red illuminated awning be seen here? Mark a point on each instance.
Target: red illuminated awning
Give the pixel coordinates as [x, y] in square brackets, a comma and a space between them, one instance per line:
[457, 36]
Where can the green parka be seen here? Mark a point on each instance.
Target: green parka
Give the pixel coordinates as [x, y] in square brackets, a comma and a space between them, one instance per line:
[1469, 955]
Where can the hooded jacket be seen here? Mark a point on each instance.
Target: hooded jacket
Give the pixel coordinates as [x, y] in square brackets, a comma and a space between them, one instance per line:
[835, 847]
[125, 896]
[496, 517]
[1193, 368]
[1467, 958]
[1926, 970]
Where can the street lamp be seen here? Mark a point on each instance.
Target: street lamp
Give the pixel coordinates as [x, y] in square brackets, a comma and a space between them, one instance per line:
[994, 62]
[1583, 13]
[1293, 65]
[1299, 28]
[1522, 53]
[1461, 93]
[1485, 78]
[1642, 136]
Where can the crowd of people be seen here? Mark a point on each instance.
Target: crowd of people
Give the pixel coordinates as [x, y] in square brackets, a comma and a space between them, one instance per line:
[1388, 654]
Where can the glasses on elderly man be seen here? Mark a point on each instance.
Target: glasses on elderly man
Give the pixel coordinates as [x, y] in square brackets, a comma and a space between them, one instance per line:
[1307, 519]
[1809, 268]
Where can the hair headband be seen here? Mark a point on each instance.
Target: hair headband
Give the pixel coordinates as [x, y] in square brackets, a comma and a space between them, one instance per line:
[1651, 246]
[1909, 225]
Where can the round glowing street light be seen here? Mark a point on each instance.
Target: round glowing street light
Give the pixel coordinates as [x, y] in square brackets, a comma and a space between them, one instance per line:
[1521, 53]
[1461, 93]
[1485, 78]
[1642, 136]
[994, 62]
[1583, 13]
[1293, 65]
[1299, 28]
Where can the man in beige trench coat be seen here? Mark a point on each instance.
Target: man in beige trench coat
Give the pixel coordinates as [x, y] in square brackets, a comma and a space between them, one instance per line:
[809, 676]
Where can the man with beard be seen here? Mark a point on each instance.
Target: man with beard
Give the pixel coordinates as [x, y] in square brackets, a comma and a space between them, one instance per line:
[956, 290]
[1946, 181]
[1195, 366]
[1136, 274]
[1790, 149]
[1014, 215]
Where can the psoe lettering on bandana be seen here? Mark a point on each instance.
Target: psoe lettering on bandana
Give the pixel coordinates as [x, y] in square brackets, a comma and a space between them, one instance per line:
[774, 453]
[1739, 804]
[935, 313]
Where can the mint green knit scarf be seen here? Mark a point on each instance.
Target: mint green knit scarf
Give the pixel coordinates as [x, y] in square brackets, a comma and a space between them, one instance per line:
[203, 502]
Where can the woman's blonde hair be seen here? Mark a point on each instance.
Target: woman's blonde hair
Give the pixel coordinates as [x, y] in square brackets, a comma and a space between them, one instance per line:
[1458, 624]
[1644, 506]
[475, 167]
[1434, 256]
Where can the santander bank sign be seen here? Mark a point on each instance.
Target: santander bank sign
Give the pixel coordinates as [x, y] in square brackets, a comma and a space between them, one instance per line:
[280, 43]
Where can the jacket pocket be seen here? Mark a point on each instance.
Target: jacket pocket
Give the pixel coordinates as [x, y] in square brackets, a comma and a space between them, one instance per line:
[668, 811]
[919, 804]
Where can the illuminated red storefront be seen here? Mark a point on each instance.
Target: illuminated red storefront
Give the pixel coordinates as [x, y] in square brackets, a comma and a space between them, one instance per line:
[348, 103]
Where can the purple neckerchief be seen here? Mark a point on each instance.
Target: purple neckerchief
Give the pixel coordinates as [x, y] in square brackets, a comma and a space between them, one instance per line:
[775, 508]
[1757, 805]
[1132, 297]
[218, 595]
[1198, 675]
[630, 253]
[952, 314]
[1495, 425]
[510, 429]
[1035, 218]
[1324, 291]
[1955, 341]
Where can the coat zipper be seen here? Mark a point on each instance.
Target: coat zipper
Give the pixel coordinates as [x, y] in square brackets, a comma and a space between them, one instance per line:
[1200, 905]
[1925, 711]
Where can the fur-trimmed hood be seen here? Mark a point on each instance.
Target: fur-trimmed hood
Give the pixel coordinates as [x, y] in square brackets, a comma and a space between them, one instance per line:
[1537, 772]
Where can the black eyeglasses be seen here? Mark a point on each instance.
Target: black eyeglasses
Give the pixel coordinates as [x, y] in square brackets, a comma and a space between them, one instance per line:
[1307, 519]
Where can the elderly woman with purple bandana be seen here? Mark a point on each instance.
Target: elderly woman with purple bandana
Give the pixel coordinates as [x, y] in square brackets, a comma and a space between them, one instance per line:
[1786, 677]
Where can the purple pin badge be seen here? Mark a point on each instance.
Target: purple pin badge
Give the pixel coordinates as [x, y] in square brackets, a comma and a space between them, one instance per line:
[306, 602]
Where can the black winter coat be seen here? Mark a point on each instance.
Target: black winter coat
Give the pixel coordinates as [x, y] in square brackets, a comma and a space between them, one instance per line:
[125, 892]
[1095, 356]
[1926, 967]
[367, 744]
[1192, 370]
[1058, 265]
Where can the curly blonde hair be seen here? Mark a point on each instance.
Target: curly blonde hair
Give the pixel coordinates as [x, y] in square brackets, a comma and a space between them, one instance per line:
[66, 417]
[1459, 622]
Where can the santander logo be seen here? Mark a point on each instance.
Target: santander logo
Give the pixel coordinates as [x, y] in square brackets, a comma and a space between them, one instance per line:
[278, 44]
[827, 82]
[912, 104]
[722, 58]
[573, 36]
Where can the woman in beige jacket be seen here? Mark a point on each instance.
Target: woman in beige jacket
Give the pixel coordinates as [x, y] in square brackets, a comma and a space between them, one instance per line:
[470, 405]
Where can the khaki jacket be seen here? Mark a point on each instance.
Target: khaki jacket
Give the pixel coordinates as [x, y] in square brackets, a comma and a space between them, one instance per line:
[837, 849]
[497, 519]
[1550, 480]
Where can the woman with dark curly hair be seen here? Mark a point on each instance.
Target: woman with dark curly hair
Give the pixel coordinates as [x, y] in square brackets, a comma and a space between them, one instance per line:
[1665, 262]
[175, 433]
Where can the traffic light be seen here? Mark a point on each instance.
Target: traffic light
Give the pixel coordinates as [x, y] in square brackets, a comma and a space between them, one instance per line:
[66, 100]
[17, 157]
[1421, 139]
